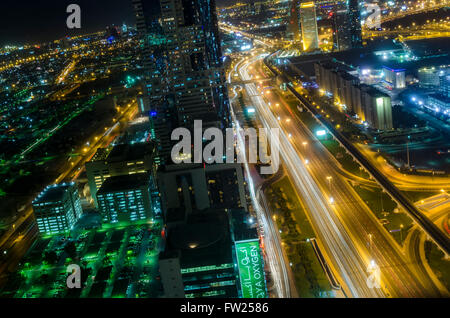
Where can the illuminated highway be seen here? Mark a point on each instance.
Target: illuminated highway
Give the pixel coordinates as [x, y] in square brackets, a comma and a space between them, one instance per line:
[419, 7]
[350, 234]
[272, 243]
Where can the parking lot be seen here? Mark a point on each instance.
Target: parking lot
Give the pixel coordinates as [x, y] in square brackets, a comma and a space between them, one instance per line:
[115, 262]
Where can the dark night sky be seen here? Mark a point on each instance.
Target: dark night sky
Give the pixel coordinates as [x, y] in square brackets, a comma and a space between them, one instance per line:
[37, 21]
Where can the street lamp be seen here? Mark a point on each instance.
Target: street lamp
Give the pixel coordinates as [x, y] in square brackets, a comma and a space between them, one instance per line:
[329, 178]
[305, 143]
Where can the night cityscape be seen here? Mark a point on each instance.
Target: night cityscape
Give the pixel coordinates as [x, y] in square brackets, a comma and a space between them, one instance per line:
[204, 149]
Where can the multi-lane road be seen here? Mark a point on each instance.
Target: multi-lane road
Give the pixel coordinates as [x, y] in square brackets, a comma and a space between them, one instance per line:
[353, 239]
[273, 252]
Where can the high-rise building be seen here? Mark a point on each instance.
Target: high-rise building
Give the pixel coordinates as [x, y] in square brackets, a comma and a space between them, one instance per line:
[200, 249]
[429, 77]
[294, 20]
[120, 160]
[57, 208]
[354, 10]
[126, 198]
[345, 17]
[310, 37]
[444, 83]
[342, 36]
[183, 60]
[347, 24]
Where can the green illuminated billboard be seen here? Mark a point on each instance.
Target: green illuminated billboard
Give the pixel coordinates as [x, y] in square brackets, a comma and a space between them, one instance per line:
[251, 270]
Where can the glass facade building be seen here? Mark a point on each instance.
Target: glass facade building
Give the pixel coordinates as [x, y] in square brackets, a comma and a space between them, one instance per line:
[185, 79]
[308, 22]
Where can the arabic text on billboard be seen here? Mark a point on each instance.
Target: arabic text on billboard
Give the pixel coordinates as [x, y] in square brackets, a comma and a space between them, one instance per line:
[251, 271]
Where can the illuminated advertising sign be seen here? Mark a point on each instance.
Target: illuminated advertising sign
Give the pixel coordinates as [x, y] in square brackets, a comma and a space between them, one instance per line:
[321, 133]
[251, 270]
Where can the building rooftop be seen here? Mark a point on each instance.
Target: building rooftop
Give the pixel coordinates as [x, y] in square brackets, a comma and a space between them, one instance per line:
[243, 226]
[204, 239]
[348, 77]
[372, 91]
[129, 152]
[124, 182]
[396, 70]
[53, 193]
[101, 154]
[124, 152]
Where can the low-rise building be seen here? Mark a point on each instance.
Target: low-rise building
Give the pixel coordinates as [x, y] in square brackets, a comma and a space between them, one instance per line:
[372, 106]
[126, 198]
[123, 159]
[57, 208]
[394, 78]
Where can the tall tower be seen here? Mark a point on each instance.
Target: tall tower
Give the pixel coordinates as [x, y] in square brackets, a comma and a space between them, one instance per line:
[294, 23]
[186, 80]
[308, 21]
[354, 11]
[347, 25]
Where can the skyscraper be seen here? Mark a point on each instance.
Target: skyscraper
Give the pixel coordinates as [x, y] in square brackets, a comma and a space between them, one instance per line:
[347, 25]
[308, 23]
[294, 24]
[185, 77]
[354, 15]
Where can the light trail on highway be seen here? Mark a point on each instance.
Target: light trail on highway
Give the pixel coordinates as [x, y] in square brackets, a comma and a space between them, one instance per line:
[342, 227]
[272, 244]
